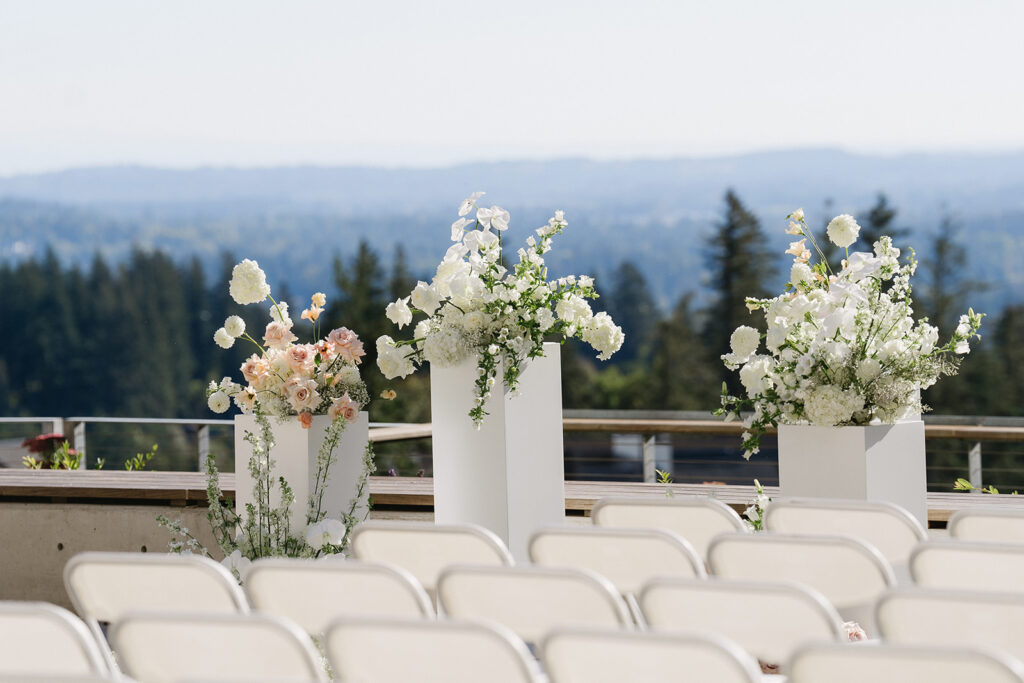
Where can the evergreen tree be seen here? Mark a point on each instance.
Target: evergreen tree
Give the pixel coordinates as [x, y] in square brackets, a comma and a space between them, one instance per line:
[740, 266]
[632, 306]
[878, 221]
[683, 376]
[402, 280]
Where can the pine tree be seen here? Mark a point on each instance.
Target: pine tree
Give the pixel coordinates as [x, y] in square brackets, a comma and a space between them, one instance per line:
[740, 264]
[878, 221]
[683, 376]
[632, 306]
[402, 280]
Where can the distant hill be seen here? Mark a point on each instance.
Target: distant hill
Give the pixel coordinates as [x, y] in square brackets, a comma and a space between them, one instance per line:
[654, 212]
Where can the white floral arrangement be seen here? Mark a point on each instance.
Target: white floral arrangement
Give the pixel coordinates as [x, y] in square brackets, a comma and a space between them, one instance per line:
[285, 380]
[475, 307]
[840, 348]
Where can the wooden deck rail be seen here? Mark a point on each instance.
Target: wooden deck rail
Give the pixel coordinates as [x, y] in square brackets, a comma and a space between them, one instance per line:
[189, 488]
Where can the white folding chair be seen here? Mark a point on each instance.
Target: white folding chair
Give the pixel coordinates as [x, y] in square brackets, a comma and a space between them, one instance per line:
[41, 639]
[768, 620]
[166, 647]
[901, 664]
[697, 519]
[849, 573]
[404, 650]
[602, 656]
[424, 549]
[626, 557]
[532, 600]
[953, 618]
[888, 527]
[313, 594]
[967, 565]
[987, 524]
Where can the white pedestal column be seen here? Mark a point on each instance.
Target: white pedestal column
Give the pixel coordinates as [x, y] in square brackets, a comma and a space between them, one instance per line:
[509, 475]
[877, 462]
[294, 456]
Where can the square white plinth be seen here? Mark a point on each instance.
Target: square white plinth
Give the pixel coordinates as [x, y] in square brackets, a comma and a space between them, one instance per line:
[876, 462]
[294, 457]
[509, 475]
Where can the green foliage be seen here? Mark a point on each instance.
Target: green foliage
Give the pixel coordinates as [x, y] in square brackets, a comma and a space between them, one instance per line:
[139, 460]
[63, 457]
[962, 484]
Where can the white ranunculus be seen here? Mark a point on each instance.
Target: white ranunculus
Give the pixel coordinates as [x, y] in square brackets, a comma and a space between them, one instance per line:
[248, 283]
[800, 272]
[235, 326]
[398, 312]
[744, 342]
[219, 402]
[425, 298]
[843, 230]
[223, 339]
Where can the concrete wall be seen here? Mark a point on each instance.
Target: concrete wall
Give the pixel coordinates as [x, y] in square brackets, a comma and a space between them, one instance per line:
[37, 539]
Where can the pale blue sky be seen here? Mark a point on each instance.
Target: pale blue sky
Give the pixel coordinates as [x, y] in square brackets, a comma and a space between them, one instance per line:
[433, 82]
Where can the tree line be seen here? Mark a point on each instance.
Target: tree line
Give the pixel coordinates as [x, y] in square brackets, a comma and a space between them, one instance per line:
[135, 338]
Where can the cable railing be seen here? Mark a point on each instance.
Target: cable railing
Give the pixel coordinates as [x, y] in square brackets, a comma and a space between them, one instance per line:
[693, 447]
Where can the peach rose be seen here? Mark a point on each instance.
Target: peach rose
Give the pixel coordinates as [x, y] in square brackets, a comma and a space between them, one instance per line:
[344, 407]
[854, 632]
[306, 419]
[301, 394]
[278, 335]
[300, 358]
[255, 369]
[346, 344]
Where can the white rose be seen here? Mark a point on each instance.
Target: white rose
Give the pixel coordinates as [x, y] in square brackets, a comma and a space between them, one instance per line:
[398, 312]
[843, 230]
[223, 339]
[235, 326]
[248, 283]
[218, 402]
[425, 298]
[744, 342]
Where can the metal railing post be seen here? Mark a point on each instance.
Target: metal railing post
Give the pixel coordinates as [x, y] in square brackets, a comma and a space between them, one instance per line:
[974, 467]
[79, 442]
[650, 458]
[204, 446]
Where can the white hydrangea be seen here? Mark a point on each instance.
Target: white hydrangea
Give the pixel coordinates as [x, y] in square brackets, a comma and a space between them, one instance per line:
[248, 283]
[604, 335]
[347, 374]
[843, 230]
[828, 405]
[234, 326]
[223, 339]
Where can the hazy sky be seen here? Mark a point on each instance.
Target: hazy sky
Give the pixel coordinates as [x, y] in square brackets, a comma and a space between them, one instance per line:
[430, 82]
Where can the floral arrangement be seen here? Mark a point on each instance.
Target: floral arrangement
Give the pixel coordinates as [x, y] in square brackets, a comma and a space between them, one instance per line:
[475, 306]
[753, 516]
[841, 348]
[284, 380]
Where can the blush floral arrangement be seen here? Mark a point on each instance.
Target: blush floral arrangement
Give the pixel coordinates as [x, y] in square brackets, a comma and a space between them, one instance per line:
[840, 348]
[475, 307]
[284, 380]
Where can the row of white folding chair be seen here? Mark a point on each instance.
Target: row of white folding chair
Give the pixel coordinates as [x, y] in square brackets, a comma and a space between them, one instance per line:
[987, 523]
[40, 639]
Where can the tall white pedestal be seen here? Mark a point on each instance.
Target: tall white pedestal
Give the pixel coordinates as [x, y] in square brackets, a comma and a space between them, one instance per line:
[876, 462]
[294, 456]
[508, 476]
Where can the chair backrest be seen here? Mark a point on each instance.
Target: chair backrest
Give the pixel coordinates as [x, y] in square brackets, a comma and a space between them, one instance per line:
[403, 650]
[768, 620]
[626, 557]
[697, 519]
[43, 639]
[900, 664]
[532, 600]
[849, 573]
[425, 549]
[888, 527]
[313, 594]
[988, 524]
[953, 618]
[103, 586]
[155, 647]
[602, 656]
[967, 565]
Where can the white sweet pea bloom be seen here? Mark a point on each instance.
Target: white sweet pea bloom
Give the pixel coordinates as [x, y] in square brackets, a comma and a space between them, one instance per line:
[425, 298]
[248, 283]
[467, 204]
[843, 230]
[237, 563]
[234, 326]
[327, 532]
[219, 402]
[458, 228]
[398, 312]
[393, 361]
[223, 339]
[499, 218]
